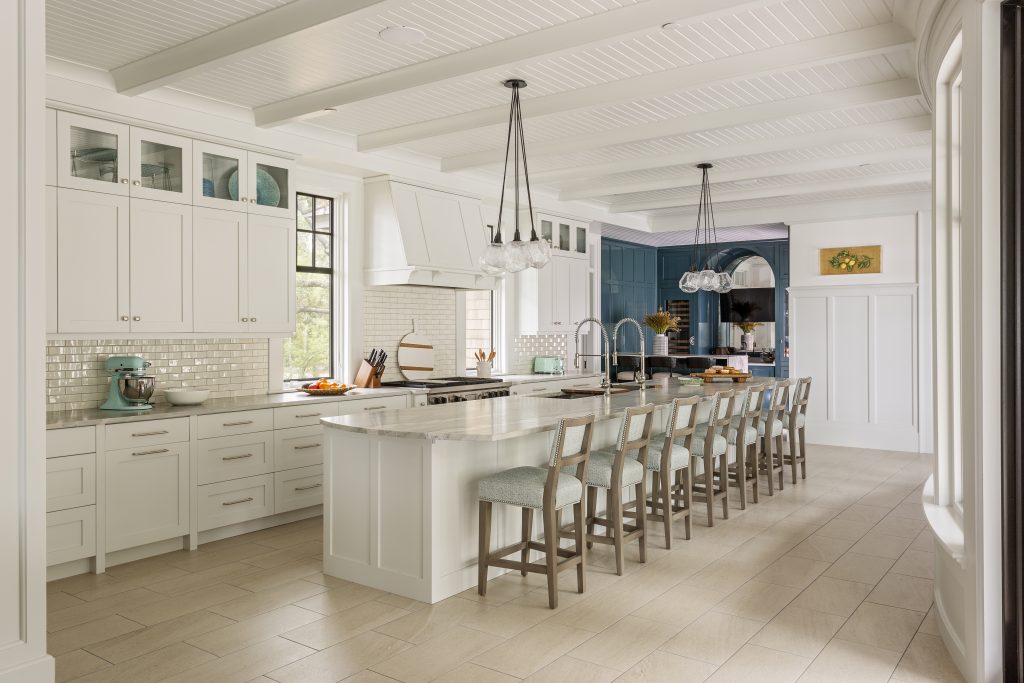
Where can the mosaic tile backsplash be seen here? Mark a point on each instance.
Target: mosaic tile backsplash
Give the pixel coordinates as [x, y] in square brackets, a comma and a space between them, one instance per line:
[525, 347]
[75, 377]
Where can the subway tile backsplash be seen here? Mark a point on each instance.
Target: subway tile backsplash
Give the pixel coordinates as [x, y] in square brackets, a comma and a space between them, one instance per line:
[388, 313]
[75, 378]
[525, 347]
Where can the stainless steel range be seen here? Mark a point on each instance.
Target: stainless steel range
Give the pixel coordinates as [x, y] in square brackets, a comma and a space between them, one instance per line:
[455, 389]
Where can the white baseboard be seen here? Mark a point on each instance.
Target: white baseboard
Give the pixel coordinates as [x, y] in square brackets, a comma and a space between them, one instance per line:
[39, 670]
[875, 436]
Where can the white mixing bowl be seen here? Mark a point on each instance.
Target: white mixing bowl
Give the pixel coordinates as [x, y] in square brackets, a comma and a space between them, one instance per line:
[186, 397]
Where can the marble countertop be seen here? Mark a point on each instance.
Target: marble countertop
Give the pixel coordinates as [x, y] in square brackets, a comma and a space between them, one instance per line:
[696, 355]
[92, 416]
[497, 419]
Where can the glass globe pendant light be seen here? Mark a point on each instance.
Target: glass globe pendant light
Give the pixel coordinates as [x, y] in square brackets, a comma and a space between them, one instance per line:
[516, 255]
[707, 279]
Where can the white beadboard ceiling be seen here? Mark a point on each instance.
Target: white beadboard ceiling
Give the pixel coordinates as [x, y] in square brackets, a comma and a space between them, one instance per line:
[788, 98]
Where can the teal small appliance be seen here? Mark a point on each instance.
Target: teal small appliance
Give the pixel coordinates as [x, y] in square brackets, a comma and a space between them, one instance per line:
[130, 386]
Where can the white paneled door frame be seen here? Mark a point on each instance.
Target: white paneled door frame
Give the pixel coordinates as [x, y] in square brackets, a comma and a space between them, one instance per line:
[842, 335]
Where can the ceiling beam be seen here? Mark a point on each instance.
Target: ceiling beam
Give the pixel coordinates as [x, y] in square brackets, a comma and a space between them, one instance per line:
[776, 191]
[826, 49]
[896, 127]
[231, 42]
[597, 29]
[832, 100]
[692, 179]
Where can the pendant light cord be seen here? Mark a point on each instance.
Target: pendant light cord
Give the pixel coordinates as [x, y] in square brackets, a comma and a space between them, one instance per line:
[526, 170]
[504, 170]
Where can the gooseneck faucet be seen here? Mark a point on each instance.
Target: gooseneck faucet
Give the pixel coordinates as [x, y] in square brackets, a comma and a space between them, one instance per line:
[606, 383]
[643, 348]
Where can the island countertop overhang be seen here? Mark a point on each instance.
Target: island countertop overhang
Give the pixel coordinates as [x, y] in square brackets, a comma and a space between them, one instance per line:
[510, 417]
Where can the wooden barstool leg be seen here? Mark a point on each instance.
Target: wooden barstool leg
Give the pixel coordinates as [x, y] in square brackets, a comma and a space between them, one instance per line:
[741, 475]
[684, 475]
[551, 555]
[769, 461]
[723, 479]
[527, 535]
[780, 451]
[664, 479]
[709, 487]
[803, 453]
[792, 453]
[641, 517]
[579, 522]
[485, 546]
[615, 512]
[591, 513]
[752, 466]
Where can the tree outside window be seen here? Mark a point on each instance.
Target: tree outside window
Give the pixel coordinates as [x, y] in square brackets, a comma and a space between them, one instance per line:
[309, 354]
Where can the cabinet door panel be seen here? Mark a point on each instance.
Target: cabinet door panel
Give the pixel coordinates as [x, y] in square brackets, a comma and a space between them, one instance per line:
[218, 271]
[269, 191]
[51, 260]
[562, 273]
[92, 259]
[92, 154]
[271, 274]
[579, 291]
[220, 177]
[161, 166]
[160, 245]
[146, 494]
[51, 147]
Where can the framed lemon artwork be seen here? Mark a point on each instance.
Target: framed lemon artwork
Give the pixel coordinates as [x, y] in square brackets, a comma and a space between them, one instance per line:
[851, 260]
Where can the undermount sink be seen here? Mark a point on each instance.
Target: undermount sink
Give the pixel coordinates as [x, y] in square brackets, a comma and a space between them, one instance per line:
[590, 392]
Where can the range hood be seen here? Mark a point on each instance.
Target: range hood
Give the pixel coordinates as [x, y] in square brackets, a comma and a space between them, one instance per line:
[418, 235]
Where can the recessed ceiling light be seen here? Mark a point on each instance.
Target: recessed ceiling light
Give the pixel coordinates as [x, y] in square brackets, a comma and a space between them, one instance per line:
[402, 35]
[670, 25]
[329, 109]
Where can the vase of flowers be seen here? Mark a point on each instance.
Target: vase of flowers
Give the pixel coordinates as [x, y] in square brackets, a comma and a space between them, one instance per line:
[747, 338]
[661, 323]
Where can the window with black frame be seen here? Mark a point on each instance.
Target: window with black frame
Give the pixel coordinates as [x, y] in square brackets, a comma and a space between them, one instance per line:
[309, 354]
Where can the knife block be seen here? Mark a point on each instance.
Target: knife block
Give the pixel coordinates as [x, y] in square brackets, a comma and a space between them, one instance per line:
[366, 377]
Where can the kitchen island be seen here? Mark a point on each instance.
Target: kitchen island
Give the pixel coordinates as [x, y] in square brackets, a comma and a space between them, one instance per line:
[400, 486]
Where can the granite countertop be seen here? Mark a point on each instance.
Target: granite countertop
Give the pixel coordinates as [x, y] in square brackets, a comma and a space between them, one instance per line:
[497, 419]
[92, 416]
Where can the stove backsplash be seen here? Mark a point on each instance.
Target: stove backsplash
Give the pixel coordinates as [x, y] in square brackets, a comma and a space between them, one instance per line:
[525, 347]
[388, 313]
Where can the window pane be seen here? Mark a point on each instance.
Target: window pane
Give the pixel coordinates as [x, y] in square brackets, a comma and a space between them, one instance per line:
[323, 214]
[479, 325]
[307, 355]
[323, 251]
[304, 249]
[305, 212]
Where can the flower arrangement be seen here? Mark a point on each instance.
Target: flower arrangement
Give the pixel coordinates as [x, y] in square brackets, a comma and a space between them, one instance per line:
[747, 327]
[662, 321]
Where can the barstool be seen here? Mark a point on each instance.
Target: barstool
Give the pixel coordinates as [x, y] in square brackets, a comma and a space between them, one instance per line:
[708, 451]
[795, 422]
[548, 489]
[614, 470]
[671, 499]
[743, 433]
[770, 460]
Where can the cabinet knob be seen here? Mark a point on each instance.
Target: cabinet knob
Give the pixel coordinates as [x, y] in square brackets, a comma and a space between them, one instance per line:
[252, 201]
[245, 320]
[252, 320]
[124, 181]
[124, 317]
[244, 200]
[136, 183]
[136, 318]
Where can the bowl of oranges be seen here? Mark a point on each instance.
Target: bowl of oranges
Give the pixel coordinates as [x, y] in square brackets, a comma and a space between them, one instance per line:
[325, 387]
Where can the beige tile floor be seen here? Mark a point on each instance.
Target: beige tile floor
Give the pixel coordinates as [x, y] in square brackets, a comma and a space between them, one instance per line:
[830, 580]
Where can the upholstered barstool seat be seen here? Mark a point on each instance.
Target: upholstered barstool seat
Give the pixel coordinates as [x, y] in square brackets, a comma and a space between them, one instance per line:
[524, 487]
[762, 427]
[750, 434]
[602, 463]
[719, 445]
[679, 456]
[801, 419]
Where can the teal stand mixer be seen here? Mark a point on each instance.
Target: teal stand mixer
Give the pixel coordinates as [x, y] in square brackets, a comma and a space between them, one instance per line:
[130, 386]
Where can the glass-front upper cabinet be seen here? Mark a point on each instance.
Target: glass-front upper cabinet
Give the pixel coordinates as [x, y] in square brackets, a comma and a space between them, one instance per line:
[567, 236]
[220, 177]
[92, 154]
[269, 190]
[161, 166]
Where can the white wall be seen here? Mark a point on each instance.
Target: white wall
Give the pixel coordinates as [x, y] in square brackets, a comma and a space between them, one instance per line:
[23, 657]
[858, 336]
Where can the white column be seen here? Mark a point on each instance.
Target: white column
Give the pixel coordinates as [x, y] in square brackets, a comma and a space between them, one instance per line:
[23, 657]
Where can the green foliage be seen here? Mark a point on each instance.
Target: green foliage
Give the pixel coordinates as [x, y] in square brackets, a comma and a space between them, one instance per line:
[847, 261]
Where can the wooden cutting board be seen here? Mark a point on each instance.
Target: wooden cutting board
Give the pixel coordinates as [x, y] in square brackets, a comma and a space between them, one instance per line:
[415, 356]
[739, 378]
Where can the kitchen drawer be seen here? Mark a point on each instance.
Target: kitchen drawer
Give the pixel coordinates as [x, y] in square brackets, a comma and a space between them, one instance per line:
[304, 415]
[146, 433]
[229, 424]
[534, 388]
[70, 481]
[240, 500]
[299, 488]
[71, 441]
[234, 457]
[298, 447]
[70, 535]
[367, 404]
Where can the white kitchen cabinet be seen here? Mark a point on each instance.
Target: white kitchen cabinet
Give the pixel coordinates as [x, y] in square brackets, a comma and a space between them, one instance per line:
[161, 166]
[568, 236]
[160, 248]
[270, 274]
[70, 535]
[92, 262]
[92, 154]
[219, 172]
[147, 494]
[268, 186]
[51, 259]
[298, 488]
[51, 147]
[70, 481]
[238, 500]
[553, 299]
[234, 457]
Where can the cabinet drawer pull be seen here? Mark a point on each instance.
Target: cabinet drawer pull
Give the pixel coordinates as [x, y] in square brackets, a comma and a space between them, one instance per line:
[238, 424]
[236, 502]
[308, 445]
[237, 457]
[162, 431]
[299, 417]
[307, 488]
[375, 408]
[153, 452]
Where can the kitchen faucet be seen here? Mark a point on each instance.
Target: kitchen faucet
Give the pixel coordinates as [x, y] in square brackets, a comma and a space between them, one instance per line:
[643, 348]
[606, 383]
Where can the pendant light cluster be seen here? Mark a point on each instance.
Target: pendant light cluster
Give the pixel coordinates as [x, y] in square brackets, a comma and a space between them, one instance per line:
[706, 280]
[516, 255]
